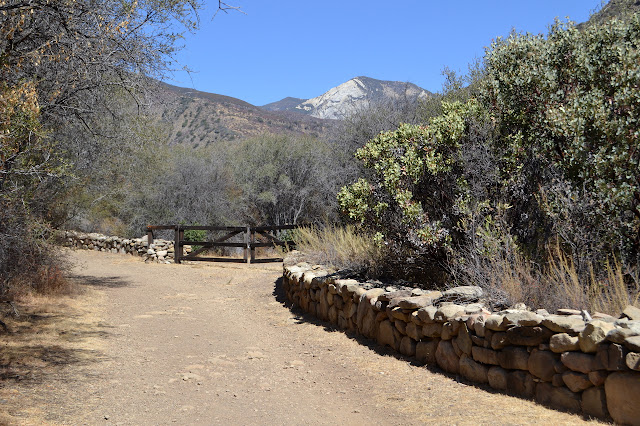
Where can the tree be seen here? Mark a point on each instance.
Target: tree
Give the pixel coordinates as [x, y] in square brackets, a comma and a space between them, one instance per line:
[285, 179]
[61, 62]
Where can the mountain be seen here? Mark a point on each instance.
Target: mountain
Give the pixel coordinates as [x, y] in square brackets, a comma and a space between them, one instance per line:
[356, 93]
[619, 9]
[286, 104]
[199, 118]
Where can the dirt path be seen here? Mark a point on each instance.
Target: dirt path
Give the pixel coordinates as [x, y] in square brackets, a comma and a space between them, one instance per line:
[151, 344]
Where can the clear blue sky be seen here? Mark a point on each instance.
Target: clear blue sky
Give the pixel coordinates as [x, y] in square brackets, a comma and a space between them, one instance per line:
[302, 48]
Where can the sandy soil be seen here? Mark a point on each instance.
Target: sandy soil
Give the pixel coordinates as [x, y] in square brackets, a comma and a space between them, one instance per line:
[150, 344]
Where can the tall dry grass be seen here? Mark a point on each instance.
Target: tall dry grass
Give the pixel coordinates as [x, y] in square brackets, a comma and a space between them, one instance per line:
[341, 247]
[608, 291]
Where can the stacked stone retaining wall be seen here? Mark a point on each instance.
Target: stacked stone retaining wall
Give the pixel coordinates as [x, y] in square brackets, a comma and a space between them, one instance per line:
[161, 251]
[566, 360]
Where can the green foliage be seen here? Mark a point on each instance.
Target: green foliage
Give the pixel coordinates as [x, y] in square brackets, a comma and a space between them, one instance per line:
[410, 166]
[569, 104]
[539, 149]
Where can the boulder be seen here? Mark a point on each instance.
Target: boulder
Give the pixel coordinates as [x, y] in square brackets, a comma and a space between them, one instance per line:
[593, 334]
[619, 335]
[594, 402]
[560, 398]
[528, 336]
[564, 324]
[407, 346]
[514, 358]
[497, 377]
[622, 390]
[494, 322]
[426, 351]
[432, 330]
[616, 357]
[577, 361]
[464, 339]
[485, 356]
[633, 343]
[598, 377]
[472, 370]
[427, 314]
[386, 336]
[520, 383]
[417, 302]
[389, 296]
[499, 340]
[563, 342]
[446, 357]
[414, 331]
[448, 312]
[541, 364]
[463, 294]
[521, 318]
[576, 382]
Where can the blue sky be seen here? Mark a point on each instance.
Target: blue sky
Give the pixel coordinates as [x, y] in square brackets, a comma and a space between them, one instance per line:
[302, 48]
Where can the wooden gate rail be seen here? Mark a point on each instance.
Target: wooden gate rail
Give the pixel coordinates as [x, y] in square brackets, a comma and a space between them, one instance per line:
[248, 245]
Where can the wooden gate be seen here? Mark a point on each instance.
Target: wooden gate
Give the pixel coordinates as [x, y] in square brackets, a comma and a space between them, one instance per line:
[249, 243]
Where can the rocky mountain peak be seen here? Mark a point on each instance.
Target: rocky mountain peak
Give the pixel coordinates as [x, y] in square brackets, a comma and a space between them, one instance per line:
[356, 93]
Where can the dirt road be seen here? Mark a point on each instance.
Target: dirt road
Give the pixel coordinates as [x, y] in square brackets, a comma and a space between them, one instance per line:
[150, 344]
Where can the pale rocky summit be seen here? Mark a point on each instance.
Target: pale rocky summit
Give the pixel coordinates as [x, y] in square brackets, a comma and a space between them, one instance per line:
[357, 93]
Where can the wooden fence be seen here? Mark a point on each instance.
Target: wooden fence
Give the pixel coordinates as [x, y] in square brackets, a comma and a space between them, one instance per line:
[249, 243]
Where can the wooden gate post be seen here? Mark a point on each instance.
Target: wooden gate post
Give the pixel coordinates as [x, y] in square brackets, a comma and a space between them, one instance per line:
[253, 249]
[149, 237]
[177, 246]
[247, 245]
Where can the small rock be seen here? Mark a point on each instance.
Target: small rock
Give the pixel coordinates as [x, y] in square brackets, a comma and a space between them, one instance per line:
[631, 312]
[495, 323]
[633, 343]
[633, 361]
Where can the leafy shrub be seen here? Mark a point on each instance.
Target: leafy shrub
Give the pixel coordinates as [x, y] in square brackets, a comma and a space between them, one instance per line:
[416, 192]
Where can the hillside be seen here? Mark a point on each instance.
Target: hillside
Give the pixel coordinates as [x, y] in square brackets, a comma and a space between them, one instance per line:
[199, 118]
[619, 9]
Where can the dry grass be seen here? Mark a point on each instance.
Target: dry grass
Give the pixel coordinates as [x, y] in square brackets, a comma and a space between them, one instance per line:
[339, 247]
[608, 292]
[52, 332]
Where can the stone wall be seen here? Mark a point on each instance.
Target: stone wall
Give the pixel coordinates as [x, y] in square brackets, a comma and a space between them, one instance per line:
[161, 251]
[566, 360]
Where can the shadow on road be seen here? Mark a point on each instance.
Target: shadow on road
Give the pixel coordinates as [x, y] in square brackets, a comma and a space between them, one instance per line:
[104, 282]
